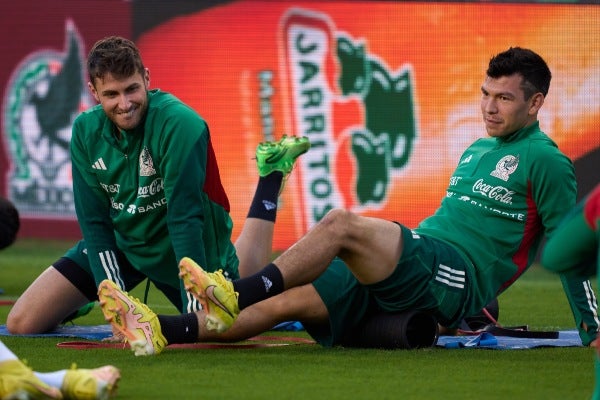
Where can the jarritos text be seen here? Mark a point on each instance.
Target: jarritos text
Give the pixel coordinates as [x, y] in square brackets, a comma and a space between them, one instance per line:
[358, 113]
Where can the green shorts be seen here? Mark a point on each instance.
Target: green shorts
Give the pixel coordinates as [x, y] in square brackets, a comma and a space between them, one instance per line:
[77, 257]
[430, 276]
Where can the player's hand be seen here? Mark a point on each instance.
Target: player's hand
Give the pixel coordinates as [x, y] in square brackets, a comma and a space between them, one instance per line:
[593, 343]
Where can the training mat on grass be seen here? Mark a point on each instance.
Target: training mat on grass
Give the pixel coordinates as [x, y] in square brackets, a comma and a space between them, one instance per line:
[99, 332]
[252, 343]
[90, 332]
[488, 341]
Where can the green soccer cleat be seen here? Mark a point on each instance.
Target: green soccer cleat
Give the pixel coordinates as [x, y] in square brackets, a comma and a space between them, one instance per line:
[17, 381]
[132, 318]
[91, 384]
[213, 291]
[281, 155]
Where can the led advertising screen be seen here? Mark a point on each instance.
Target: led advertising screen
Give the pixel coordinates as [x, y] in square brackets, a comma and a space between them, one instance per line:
[387, 92]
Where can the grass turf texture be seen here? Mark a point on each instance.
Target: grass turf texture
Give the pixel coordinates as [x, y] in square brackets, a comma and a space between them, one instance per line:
[310, 371]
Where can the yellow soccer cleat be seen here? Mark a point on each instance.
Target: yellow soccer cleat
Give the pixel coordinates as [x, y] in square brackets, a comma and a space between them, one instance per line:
[132, 318]
[17, 381]
[213, 291]
[91, 384]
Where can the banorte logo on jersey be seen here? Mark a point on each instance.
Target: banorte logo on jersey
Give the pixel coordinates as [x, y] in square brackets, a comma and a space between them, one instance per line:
[351, 162]
[45, 93]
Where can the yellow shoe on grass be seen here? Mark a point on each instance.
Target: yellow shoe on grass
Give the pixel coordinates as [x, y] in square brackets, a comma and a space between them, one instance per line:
[91, 384]
[213, 291]
[132, 318]
[17, 381]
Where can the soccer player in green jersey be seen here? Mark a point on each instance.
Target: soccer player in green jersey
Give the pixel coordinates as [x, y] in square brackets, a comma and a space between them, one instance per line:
[575, 249]
[508, 191]
[148, 193]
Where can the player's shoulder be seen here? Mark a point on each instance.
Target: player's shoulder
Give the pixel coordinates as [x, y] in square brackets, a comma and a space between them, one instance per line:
[541, 146]
[93, 119]
[92, 114]
[164, 105]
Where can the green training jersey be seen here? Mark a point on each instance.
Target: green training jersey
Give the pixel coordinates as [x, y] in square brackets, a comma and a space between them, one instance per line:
[154, 193]
[504, 196]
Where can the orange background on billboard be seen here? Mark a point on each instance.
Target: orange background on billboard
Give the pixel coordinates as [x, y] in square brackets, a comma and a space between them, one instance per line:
[211, 61]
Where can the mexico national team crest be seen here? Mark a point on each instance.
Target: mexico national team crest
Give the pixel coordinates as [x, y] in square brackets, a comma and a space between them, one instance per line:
[505, 167]
[45, 93]
[146, 163]
[358, 112]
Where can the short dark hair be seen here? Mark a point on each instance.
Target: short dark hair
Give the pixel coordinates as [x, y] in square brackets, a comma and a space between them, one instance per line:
[516, 60]
[9, 222]
[115, 55]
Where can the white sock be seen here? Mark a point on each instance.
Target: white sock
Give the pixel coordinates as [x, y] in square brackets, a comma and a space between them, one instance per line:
[6, 354]
[54, 379]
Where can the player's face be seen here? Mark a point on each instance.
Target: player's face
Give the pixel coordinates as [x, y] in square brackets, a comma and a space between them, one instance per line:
[124, 100]
[504, 107]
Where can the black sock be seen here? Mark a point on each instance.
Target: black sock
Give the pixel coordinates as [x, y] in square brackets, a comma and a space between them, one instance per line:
[264, 284]
[181, 328]
[264, 203]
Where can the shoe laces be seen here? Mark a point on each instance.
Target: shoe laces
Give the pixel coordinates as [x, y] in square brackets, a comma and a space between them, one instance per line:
[221, 279]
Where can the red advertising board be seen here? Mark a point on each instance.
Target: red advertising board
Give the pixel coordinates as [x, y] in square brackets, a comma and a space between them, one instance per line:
[43, 79]
[388, 93]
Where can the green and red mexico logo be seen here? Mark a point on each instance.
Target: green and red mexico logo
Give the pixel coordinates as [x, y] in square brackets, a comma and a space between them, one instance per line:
[44, 95]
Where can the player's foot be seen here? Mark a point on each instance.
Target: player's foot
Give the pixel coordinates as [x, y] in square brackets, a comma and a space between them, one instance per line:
[132, 318]
[213, 291]
[281, 155]
[17, 381]
[91, 384]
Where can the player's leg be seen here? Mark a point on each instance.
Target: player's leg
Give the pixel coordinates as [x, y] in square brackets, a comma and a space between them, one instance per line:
[370, 248]
[275, 161]
[49, 300]
[18, 381]
[149, 333]
[301, 303]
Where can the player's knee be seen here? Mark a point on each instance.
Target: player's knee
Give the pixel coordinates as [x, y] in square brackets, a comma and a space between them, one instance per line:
[338, 223]
[22, 320]
[344, 228]
[17, 323]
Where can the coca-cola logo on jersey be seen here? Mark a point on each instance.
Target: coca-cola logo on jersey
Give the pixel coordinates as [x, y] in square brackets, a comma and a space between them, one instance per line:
[150, 190]
[498, 193]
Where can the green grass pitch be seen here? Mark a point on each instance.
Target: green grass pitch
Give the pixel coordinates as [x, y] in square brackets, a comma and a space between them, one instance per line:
[306, 371]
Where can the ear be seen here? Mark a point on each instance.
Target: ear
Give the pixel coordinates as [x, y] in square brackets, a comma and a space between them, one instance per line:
[535, 103]
[93, 91]
[147, 77]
